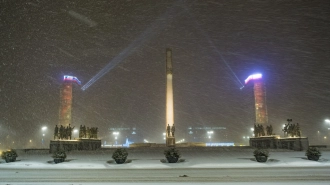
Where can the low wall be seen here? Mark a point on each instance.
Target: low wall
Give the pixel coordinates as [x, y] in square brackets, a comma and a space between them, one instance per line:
[157, 145]
[160, 148]
[297, 143]
[70, 145]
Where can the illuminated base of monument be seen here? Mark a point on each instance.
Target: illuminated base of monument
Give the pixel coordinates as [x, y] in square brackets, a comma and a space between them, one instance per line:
[273, 142]
[170, 141]
[70, 145]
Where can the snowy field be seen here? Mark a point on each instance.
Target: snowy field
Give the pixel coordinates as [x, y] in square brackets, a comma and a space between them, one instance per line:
[201, 166]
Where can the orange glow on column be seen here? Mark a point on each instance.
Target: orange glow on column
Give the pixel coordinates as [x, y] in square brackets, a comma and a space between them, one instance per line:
[169, 101]
[65, 104]
[169, 89]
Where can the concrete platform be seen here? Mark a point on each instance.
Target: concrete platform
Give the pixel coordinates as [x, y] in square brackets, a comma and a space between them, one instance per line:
[294, 143]
[70, 145]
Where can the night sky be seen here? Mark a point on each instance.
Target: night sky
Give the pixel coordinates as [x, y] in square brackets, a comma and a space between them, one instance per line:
[215, 46]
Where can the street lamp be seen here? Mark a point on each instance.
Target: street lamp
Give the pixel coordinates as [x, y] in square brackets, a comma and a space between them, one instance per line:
[75, 131]
[116, 136]
[328, 121]
[209, 133]
[43, 129]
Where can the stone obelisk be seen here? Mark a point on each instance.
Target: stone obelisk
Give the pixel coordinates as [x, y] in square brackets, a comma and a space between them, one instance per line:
[170, 139]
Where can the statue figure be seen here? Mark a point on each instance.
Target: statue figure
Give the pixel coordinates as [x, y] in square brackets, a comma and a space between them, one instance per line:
[96, 133]
[291, 130]
[298, 132]
[270, 130]
[256, 130]
[173, 130]
[92, 131]
[84, 132]
[61, 133]
[88, 133]
[285, 129]
[267, 130]
[262, 130]
[168, 129]
[56, 132]
[80, 132]
[69, 131]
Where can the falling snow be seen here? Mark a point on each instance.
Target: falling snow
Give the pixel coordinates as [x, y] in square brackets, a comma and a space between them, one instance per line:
[215, 45]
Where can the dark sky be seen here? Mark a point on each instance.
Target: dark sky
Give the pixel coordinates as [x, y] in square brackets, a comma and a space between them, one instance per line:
[212, 41]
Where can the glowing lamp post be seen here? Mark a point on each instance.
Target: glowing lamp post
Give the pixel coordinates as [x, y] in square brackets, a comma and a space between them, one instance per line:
[75, 132]
[116, 136]
[43, 129]
[328, 121]
[210, 133]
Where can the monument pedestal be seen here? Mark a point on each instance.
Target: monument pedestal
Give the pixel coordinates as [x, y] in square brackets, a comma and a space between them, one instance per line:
[272, 142]
[79, 144]
[170, 141]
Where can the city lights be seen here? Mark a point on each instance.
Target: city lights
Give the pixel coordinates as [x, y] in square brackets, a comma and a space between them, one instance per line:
[180, 141]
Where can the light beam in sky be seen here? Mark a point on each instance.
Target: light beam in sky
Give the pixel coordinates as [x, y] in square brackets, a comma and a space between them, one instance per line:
[198, 27]
[144, 37]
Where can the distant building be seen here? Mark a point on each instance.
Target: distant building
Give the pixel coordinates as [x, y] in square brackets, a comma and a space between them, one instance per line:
[120, 135]
[207, 134]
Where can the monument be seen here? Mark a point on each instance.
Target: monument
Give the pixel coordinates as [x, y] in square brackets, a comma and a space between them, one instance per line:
[63, 133]
[292, 135]
[63, 139]
[66, 99]
[259, 98]
[169, 126]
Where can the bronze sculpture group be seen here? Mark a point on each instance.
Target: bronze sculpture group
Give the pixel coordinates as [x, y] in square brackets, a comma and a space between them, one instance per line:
[89, 133]
[170, 130]
[292, 130]
[259, 130]
[63, 132]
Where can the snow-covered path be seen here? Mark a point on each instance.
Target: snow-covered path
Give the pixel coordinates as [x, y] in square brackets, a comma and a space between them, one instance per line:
[207, 166]
[168, 175]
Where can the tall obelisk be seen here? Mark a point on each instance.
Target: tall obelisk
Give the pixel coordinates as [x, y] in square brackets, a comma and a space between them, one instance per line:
[170, 139]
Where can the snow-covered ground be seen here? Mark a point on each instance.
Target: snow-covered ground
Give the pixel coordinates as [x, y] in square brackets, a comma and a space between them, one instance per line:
[206, 166]
[150, 159]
